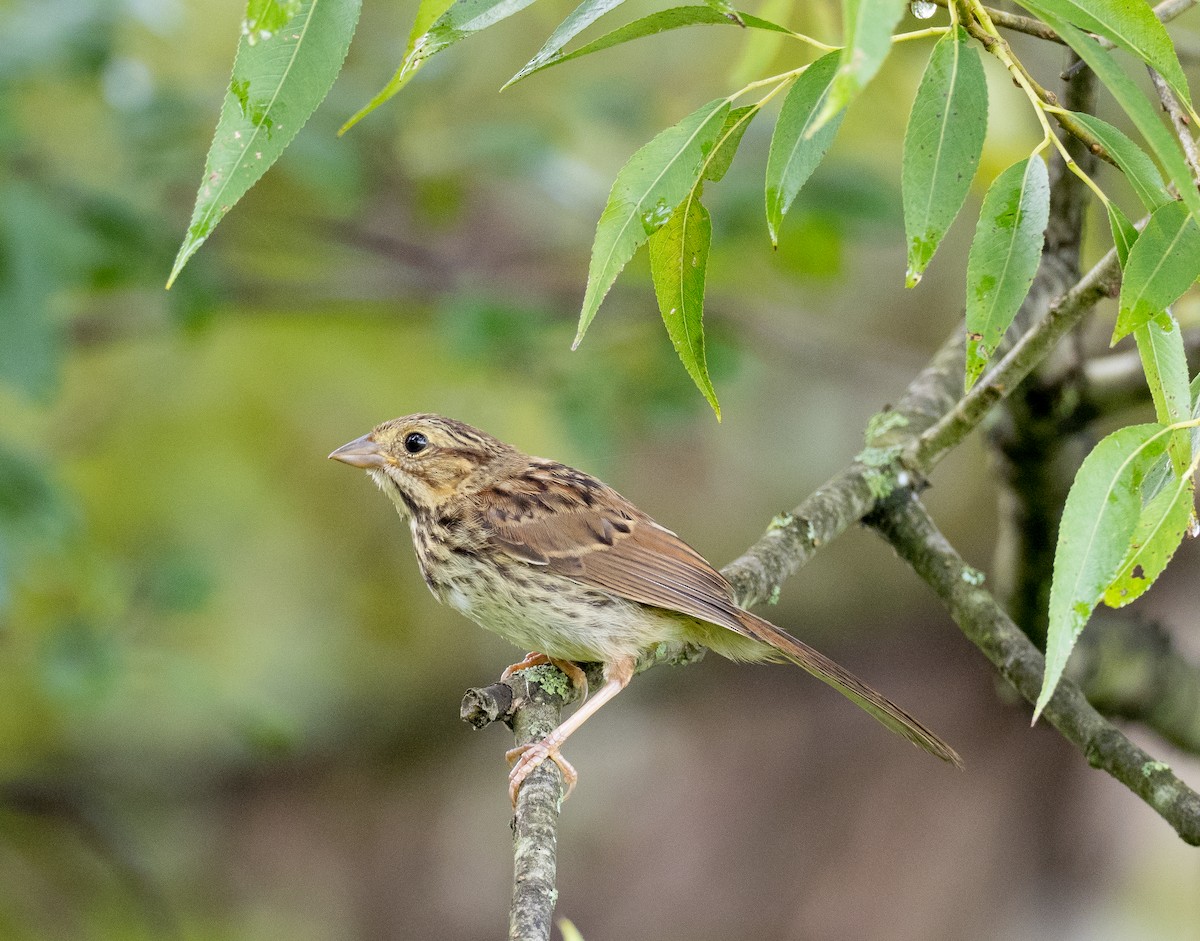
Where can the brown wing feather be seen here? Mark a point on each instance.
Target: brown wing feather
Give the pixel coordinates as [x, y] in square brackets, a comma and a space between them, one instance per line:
[581, 528]
[574, 525]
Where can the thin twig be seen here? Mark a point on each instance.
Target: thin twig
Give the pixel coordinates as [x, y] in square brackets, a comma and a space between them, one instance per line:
[1179, 121]
[906, 525]
[1017, 23]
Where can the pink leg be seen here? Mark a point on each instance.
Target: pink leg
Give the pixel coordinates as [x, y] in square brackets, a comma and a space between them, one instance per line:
[616, 677]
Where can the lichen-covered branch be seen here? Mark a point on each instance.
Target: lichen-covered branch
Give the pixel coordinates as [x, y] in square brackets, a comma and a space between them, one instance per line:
[534, 712]
[906, 525]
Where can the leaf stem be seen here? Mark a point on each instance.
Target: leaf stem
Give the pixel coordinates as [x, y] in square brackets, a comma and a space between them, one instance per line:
[978, 22]
[921, 33]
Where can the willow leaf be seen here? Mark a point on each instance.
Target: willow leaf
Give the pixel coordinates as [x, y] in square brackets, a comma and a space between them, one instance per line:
[644, 195]
[277, 83]
[1094, 536]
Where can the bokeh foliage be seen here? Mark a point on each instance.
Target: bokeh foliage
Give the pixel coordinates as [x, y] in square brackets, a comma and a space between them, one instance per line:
[194, 607]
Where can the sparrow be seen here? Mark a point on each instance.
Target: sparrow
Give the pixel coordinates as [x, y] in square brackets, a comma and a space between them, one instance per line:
[561, 565]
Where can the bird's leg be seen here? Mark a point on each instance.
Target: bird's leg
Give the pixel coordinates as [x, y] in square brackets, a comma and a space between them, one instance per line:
[617, 675]
[534, 659]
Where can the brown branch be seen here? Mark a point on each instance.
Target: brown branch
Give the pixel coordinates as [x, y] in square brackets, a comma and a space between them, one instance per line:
[1017, 23]
[906, 525]
[1179, 121]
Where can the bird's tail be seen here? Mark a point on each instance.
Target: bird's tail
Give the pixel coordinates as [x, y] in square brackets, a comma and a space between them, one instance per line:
[848, 685]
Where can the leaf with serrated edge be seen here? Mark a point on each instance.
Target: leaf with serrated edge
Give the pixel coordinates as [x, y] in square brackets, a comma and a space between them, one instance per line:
[654, 23]
[277, 84]
[459, 20]
[1162, 473]
[1144, 115]
[942, 146]
[795, 154]
[1164, 361]
[1164, 262]
[678, 263]
[721, 158]
[1159, 532]
[1004, 257]
[868, 26]
[1128, 24]
[643, 197]
[1134, 162]
[580, 19]
[1094, 534]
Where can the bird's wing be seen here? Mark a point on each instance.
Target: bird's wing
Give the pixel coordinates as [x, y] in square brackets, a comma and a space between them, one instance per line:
[574, 525]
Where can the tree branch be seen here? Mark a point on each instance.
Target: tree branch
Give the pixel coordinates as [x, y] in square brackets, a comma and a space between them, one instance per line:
[906, 525]
[535, 822]
[1179, 121]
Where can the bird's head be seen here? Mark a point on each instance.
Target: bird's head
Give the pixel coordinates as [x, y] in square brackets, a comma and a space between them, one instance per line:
[421, 461]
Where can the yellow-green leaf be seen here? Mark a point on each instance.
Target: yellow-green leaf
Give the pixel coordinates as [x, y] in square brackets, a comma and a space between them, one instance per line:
[1094, 536]
[942, 145]
[678, 263]
[1004, 257]
[644, 195]
[1159, 531]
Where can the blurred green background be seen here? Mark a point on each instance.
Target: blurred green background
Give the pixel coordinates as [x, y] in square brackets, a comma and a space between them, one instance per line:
[228, 705]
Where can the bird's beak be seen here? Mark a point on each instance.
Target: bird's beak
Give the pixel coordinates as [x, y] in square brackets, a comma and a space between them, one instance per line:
[361, 452]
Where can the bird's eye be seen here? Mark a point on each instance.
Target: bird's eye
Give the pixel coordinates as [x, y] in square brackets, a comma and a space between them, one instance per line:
[415, 442]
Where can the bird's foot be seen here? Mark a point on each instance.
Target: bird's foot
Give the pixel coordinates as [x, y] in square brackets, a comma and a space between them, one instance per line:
[534, 659]
[528, 757]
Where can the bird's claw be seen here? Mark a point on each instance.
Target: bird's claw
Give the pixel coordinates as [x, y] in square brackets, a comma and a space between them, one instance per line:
[534, 659]
[528, 757]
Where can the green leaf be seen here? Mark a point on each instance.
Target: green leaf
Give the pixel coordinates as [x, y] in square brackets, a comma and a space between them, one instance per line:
[1163, 263]
[1004, 257]
[725, 8]
[660, 22]
[1164, 360]
[867, 28]
[454, 22]
[277, 83]
[1128, 24]
[795, 150]
[266, 17]
[1162, 472]
[942, 146]
[721, 157]
[1144, 115]
[1097, 525]
[1124, 233]
[678, 263]
[580, 19]
[1158, 534]
[1138, 168]
[644, 195]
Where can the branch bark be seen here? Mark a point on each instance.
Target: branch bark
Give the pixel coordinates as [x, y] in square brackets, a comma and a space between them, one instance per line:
[906, 525]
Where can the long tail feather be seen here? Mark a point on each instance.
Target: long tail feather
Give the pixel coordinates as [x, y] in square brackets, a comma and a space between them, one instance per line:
[849, 686]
